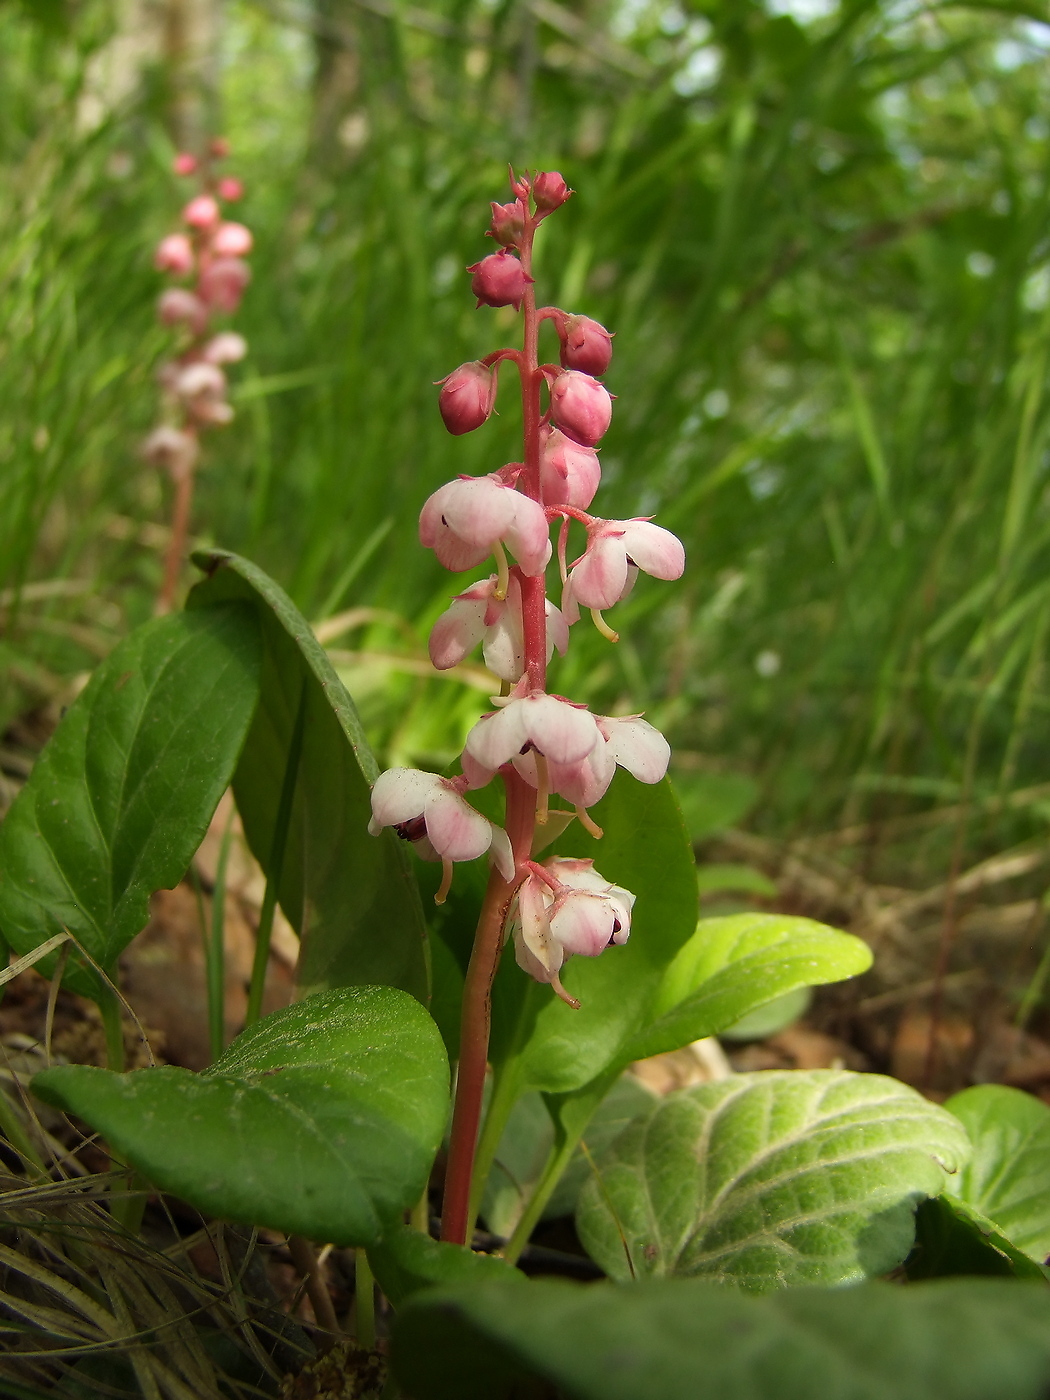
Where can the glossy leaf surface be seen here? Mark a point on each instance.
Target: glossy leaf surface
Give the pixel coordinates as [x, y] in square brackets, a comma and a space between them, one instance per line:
[321, 1120]
[770, 1179]
[351, 897]
[689, 1339]
[122, 794]
[1008, 1176]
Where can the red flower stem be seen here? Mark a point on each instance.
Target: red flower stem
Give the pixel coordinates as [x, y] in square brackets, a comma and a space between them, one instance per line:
[475, 1021]
[180, 524]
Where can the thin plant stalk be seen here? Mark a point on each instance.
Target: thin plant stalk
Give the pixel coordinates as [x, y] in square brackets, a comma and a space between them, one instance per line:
[216, 949]
[365, 1296]
[176, 550]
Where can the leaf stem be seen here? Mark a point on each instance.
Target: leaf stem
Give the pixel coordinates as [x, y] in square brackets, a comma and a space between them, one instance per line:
[276, 866]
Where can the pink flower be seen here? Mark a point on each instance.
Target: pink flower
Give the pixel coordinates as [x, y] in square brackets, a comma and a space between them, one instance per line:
[222, 283]
[184, 163]
[581, 407]
[585, 345]
[230, 189]
[226, 348]
[476, 615]
[232, 240]
[202, 388]
[569, 473]
[177, 305]
[508, 223]
[174, 254]
[631, 743]
[583, 913]
[616, 550]
[467, 398]
[201, 212]
[465, 519]
[431, 812]
[557, 729]
[549, 190]
[499, 280]
[172, 448]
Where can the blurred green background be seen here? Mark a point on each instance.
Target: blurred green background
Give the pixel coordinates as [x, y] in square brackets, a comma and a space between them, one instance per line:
[820, 233]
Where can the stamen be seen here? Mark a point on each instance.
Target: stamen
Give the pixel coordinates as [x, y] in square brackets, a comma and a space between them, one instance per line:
[446, 881]
[543, 789]
[592, 828]
[568, 1000]
[503, 572]
[603, 627]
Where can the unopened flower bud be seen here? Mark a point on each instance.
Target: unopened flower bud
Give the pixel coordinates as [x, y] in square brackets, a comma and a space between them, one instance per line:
[201, 212]
[230, 189]
[585, 345]
[177, 305]
[581, 407]
[499, 280]
[468, 396]
[172, 448]
[220, 148]
[226, 348]
[174, 254]
[184, 163]
[222, 284]
[569, 473]
[234, 240]
[508, 224]
[549, 190]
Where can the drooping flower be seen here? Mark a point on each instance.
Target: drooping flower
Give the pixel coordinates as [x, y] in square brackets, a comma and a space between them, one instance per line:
[226, 348]
[616, 550]
[174, 254]
[569, 474]
[465, 519]
[551, 726]
[232, 240]
[201, 212]
[222, 283]
[432, 813]
[499, 280]
[580, 407]
[564, 907]
[585, 345]
[177, 305]
[479, 615]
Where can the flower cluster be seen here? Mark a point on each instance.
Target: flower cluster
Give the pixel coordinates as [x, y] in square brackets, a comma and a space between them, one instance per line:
[206, 259]
[541, 744]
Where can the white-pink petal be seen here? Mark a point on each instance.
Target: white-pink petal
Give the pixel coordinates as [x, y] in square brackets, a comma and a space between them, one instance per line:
[400, 794]
[457, 632]
[655, 550]
[637, 746]
[457, 831]
[583, 922]
[600, 577]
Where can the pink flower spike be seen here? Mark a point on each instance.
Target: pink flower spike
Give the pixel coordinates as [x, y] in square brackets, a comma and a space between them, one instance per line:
[222, 283]
[230, 189]
[232, 240]
[555, 728]
[174, 254]
[585, 345]
[172, 448]
[581, 407]
[465, 519]
[569, 473]
[636, 745]
[177, 306]
[499, 280]
[467, 398]
[184, 163]
[201, 212]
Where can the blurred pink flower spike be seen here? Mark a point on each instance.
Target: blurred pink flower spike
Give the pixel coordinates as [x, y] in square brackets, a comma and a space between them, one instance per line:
[465, 520]
[555, 728]
[184, 163]
[478, 615]
[569, 474]
[580, 407]
[174, 254]
[178, 306]
[605, 573]
[222, 283]
[201, 212]
[230, 189]
[173, 449]
[226, 348]
[564, 907]
[431, 812]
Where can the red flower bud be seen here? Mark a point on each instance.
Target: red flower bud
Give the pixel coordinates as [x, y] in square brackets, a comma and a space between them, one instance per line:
[499, 280]
[201, 212]
[220, 148]
[549, 190]
[184, 163]
[230, 188]
[580, 407]
[468, 396]
[585, 345]
[222, 283]
[508, 223]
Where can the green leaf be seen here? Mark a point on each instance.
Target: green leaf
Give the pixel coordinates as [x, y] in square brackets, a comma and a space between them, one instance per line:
[770, 1018]
[405, 1261]
[122, 794]
[644, 849]
[951, 1238]
[689, 1339]
[1008, 1176]
[768, 1179]
[321, 1120]
[739, 879]
[351, 897]
[739, 962]
[711, 802]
